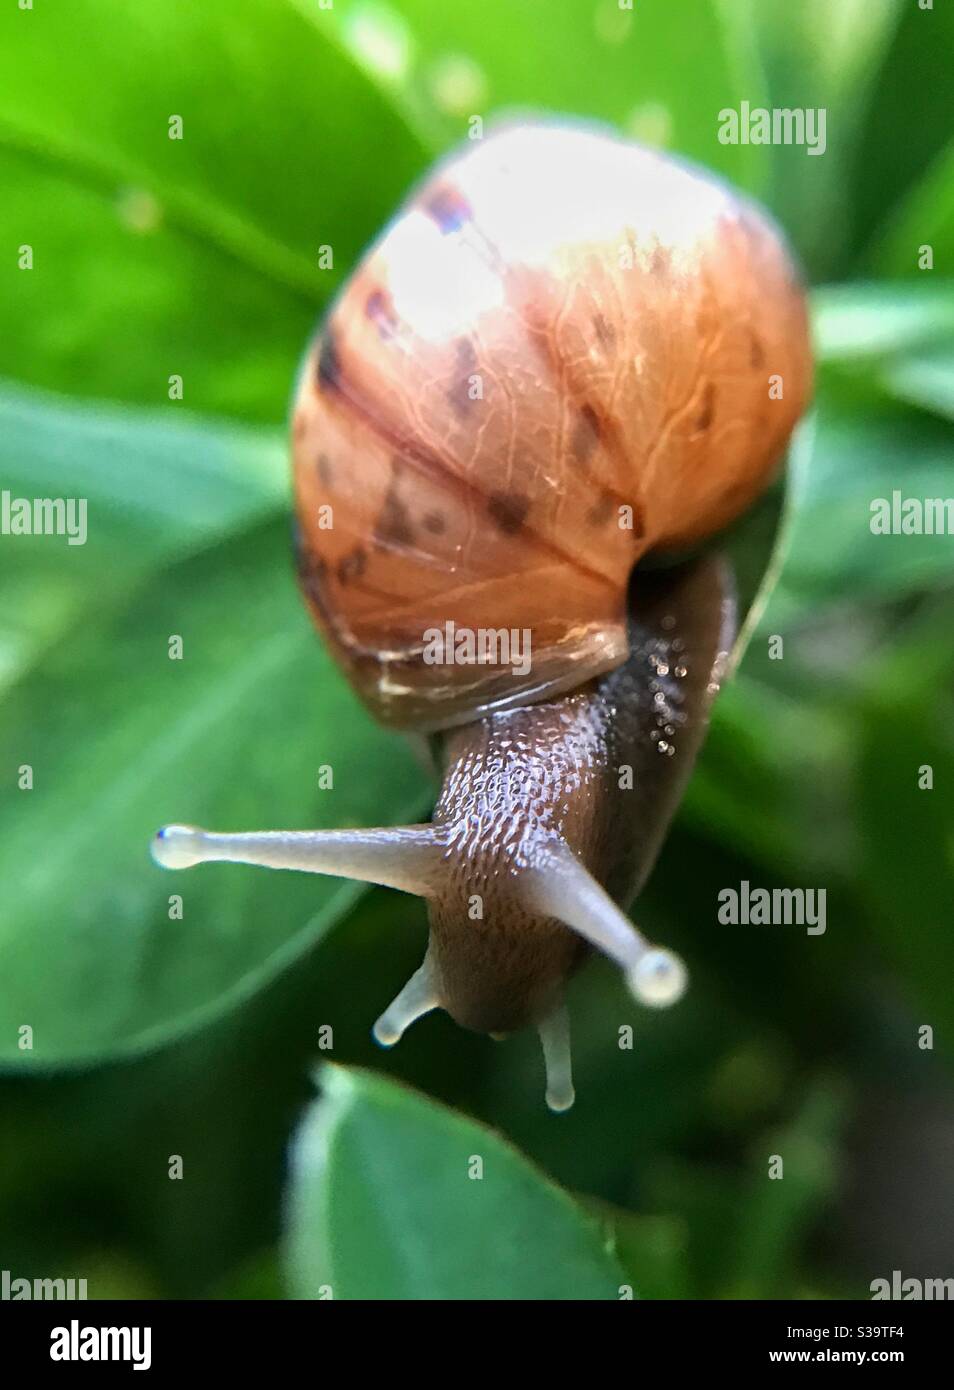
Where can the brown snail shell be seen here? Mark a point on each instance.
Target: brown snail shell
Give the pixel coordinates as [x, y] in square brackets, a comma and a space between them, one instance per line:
[556, 359]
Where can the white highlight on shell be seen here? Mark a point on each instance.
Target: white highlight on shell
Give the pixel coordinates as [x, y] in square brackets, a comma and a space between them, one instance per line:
[438, 282]
[518, 181]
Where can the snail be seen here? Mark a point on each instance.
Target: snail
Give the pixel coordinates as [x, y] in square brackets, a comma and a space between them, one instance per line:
[566, 364]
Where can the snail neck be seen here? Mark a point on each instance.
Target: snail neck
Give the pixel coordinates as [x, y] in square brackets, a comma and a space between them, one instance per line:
[517, 786]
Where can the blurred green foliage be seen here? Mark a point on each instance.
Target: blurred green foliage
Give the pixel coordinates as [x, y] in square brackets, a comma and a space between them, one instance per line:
[303, 127]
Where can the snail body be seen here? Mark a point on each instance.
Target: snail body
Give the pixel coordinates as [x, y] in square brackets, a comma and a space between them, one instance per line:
[589, 779]
[555, 363]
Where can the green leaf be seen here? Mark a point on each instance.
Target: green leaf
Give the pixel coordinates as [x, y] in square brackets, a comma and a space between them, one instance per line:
[196, 256]
[895, 338]
[896, 191]
[157, 486]
[773, 775]
[924, 220]
[652, 1249]
[486, 57]
[112, 311]
[907, 869]
[819, 56]
[862, 322]
[924, 379]
[833, 555]
[384, 1204]
[121, 739]
[776, 777]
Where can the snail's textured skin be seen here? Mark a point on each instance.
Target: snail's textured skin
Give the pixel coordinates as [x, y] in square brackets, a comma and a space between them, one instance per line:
[518, 782]
[623, 316]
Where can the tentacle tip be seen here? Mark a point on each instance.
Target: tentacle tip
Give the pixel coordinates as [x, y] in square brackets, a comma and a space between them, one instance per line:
[560, 1100]
[658, 978]
[385, 1034]
[176, 846]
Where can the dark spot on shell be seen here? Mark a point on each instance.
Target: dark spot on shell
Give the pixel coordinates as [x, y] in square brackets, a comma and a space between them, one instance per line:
[756, 352]
[309, 566]
[380, 310]
[393, 526]
[659, 260]
[707, 413]
[448, 208]
[329, 366]
[299, 424]
[311, 581]
[509, 510]
[352, 565]
[638, 529]
[311, 571]
[605, 333]
[602, 510]
[435, 522]
[587, 433]
[325, 471]
[458, 394]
